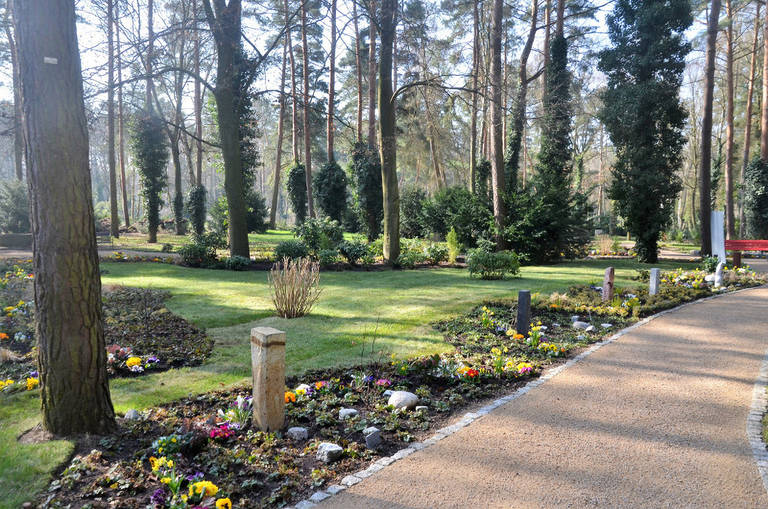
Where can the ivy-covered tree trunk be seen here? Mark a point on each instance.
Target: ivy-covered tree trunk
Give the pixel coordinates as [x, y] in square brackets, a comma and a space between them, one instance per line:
[512, 163]
[70, 335]
[225, 23]
[388, 135]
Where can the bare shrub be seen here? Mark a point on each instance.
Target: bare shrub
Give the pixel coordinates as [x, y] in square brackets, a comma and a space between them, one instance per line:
[8, 356]
[605, 244]
[295, 286]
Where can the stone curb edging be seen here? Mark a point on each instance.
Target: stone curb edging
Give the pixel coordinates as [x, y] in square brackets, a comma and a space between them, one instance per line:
[754, 426]
[755, 422]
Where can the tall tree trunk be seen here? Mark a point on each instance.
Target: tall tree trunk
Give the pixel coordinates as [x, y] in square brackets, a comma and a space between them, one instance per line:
[560, 17]
[547, 37]
[372, 77]
[121, 120]
[748, 117]
[307, 134]
[280, 128]
[294, 97]
[764, 116]
[512, 162]
[497, 135]
[225, 24]
[730, 227]
[18, 134]
[387, 131]
[70, 335]
[359, 75]
[114, 217]
[475, 72]
[150, 52]
[198, 102]
[706, 131]
[331, 83]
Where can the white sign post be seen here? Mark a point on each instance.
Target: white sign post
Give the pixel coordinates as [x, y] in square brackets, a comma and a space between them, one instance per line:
[717, 230]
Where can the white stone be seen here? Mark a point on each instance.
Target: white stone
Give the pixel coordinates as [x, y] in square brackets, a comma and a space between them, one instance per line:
[709, 278]
[328, 452]
[581, 337]
[372, 437]
[403, 399]
[575, 318]
[580, 325]
[132, 415]
[319, 496]
[387, 393]
[591, 328]
[350, 480]
[347, 413]
[336, 488]
[606, 325]
[297, 433]
[422, 408]
[305, 504]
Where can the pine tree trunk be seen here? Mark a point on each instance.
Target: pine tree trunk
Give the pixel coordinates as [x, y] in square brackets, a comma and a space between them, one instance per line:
[372, 78]
[497, 135]
[359, 75]
[294, 95]
[331, 83]
[18, 134]
[70, 336]
[475, 72]
[150, 53]
[764, 116]
[307, 133]
[748, 117]
[705, 203]
[387, 129]
[280, 129]
[198, 102]
[730, 227]
[121, 121]
[114, 217]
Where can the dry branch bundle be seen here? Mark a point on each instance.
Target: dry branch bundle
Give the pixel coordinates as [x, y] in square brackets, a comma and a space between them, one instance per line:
[295, 286]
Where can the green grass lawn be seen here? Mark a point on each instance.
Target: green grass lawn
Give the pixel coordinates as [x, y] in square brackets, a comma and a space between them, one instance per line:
[394, 307]
[260, 243]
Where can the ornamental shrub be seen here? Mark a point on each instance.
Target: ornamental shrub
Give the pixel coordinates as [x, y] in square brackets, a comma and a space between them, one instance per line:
[327, 257]
[295, 286]
[365, 168]
[237, 263]
[495, 265]
[320, 234]
[196, 209]
[456, 207]
[256, 212]
[756, 199]
[150, 154]
[709, 263]
[353, 251]
[220, 216]
[291, 249]
[436, 253]
[330, 190]
[454, 247]
[410, 258]
[412, 220]
[14, 207]
[297, 191]
[201, 251]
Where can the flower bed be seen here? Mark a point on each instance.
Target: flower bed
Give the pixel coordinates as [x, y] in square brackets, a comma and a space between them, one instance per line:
[140, 333]
[200, 451]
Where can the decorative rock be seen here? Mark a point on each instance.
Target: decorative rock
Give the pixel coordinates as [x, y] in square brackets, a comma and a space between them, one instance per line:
[422, 408]
[305, 504]
[328, 452]
[655, 282]
[709, 278]
[347, 413]
[336, 488]
[591, 328]
[372, 437]
[580, 325]
[555, 325]
[387, 393]
[403, 399]
[575, 318]
[581, 337]
[319, 496]
[132, 415]
[606, 325]
[297, 433]
[350, 480]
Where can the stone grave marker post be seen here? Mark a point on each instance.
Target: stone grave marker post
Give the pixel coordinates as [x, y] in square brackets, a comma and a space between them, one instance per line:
[268, 360]
[655, 282]
[523, 312]
[608, 285]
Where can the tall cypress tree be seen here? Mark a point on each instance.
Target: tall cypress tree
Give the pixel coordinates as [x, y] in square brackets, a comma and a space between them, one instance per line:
[642, 112]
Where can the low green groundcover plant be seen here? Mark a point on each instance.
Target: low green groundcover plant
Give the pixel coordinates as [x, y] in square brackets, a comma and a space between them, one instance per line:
[141, 334]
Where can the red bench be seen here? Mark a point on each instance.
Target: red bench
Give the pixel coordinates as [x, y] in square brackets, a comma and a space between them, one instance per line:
[737, 246]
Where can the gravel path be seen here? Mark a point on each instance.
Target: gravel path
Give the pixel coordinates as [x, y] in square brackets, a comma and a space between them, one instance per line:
[655, 419]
